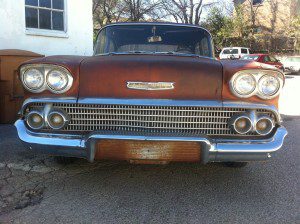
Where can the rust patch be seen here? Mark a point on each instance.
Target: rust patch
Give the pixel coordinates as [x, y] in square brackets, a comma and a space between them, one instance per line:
[148, 152]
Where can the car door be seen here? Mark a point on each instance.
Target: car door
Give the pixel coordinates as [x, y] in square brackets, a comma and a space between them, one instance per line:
[266, 60]
[273, 61]
[244, 51]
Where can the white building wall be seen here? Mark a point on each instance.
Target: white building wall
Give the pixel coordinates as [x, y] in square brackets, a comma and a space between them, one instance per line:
[77, 40]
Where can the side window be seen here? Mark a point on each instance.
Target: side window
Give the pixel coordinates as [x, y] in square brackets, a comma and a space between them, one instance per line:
[104, 43]
[100, 44]
[202, 48]
[244, 51]
[266, 59]
[45, 14]
[273, 59]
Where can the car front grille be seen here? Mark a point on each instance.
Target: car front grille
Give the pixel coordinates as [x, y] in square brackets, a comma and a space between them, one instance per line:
[188, 120]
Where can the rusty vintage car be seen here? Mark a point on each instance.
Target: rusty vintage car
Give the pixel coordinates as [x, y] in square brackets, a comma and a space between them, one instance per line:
[152, 93]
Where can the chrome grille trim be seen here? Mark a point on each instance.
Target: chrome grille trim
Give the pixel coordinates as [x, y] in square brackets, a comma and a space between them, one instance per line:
[190, 120]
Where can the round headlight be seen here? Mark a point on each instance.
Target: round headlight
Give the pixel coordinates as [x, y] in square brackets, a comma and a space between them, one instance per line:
[57, 80]
[57, 120]
[268, 85]
[33, 79]
[244, 84]
[35, 120]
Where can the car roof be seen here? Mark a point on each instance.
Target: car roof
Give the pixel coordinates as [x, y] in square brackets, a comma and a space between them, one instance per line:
[156, 23]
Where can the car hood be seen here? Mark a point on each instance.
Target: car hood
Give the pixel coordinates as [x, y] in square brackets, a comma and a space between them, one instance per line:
[193, 78]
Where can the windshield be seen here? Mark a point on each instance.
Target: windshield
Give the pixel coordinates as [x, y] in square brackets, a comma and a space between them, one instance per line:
[250, 57]
[167, 39]
[230, 51]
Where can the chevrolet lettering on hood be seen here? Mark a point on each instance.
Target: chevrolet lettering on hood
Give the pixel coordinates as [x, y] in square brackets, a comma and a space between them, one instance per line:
[150, 85]
[152, 93]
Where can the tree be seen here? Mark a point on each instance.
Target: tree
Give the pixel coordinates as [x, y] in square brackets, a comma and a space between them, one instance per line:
[215, 23]
[242, 27]
[184, 11]
[109, 11]
[141, 10]
[294, 32]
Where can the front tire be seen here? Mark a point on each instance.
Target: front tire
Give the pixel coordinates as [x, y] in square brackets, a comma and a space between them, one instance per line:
[235, 164]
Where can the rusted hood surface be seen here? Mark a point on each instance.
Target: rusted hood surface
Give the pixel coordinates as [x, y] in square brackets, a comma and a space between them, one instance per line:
[193, 77]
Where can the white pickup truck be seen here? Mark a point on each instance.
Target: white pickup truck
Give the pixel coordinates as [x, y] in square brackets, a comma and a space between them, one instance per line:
[234, 52]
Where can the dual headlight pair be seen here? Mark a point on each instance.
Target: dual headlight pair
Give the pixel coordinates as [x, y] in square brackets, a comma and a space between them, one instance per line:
[265, 84]
[56, 119]
[38, 78]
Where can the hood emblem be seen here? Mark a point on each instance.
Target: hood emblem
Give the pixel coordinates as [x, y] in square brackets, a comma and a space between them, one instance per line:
[151, 85]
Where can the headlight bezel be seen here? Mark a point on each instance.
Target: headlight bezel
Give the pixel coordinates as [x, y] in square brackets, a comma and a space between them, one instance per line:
[66, 87]
[260, 90]
[257, 74]
[27, 86]
[235, 88]
[45, 69]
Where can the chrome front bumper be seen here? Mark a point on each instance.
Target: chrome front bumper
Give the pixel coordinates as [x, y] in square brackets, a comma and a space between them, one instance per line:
[211, 150]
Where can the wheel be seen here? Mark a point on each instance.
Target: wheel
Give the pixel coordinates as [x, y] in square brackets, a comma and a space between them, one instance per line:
[235, 164]
[64, 160]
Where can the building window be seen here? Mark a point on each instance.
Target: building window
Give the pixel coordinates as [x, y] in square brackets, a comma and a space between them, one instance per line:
[45, 14]
[257, 2]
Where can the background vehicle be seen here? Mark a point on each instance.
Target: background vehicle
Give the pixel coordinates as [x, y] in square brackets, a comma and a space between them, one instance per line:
[264, 58]
[234, 52]
[292, 65]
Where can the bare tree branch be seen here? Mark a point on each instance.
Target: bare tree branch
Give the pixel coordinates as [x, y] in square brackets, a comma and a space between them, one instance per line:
[184, 11]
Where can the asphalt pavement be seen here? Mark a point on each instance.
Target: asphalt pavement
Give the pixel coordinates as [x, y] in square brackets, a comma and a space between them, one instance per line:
[35, 189]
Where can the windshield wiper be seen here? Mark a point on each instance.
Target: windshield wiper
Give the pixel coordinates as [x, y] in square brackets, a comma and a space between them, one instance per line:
[166, 52]
[127, 52]
[177, 53]
[138, 52]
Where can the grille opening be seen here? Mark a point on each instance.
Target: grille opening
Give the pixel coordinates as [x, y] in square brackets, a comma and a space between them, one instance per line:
[183, 120]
